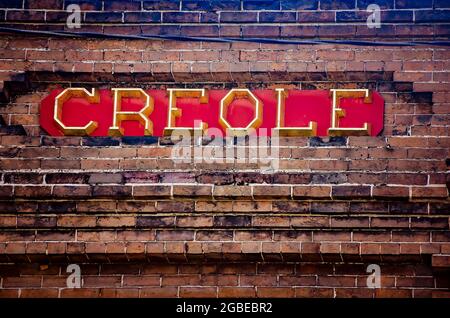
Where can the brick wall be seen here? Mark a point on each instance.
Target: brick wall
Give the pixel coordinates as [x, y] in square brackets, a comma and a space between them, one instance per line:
[141, 225]
[237, 18]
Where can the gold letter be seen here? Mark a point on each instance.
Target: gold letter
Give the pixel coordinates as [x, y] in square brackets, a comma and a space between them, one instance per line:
[64, 96]
[175, 112]
[228, 99]
[141, 116]
[338, 112]
[311, 130]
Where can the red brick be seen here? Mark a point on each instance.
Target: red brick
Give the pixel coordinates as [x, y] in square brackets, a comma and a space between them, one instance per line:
[192, 190]
[32, 281]
[332, 236]
[350, 191]
[429, 192]
[194, 221]
[151, 191]
[232, 191]
[236, 292]
[275, 292]
[322, 192]
[310, 221]
[313, 292]
[390, 192]
[393, 293]
[198, 292]
[336, 281]
[271, 191]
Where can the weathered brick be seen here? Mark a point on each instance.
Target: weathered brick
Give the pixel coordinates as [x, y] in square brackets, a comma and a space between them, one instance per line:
[350, 191]
[156, 191]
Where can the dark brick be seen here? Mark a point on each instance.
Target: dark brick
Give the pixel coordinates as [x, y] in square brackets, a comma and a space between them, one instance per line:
[44, 4]
[56, 16]
[217, 178]
[432, 16]
[233, 221]
[292, 178]
[6, 191]
[220, 5]
[308, 17]
[181, 17]
[299, 4]
[175, 206]
[338, 31]
[415, 97]
[178, 235]
[441, 4]
[209, 17]
[261, 31]
[324, 178]
[142, 17]
[408, 208]
[386, 16]
[215, 235]
[111, 191]
[55, 235]
[71, 191]
[97, 178]
[350, 191]
[23, 178]
[347, 16]
[12, 129]
[251, 177]
[36, 221]
[85, 5]
[327, 142]
[292, 235]
[61, 141]
[277, 17]
[9, 152]
[213, 5]
[69, 178]
[291, 206]
[155, 221]
[439, 208]
[160, 30]
[177, 177]
[56, 207]
[337, 4]
[362, 207]
[100, 141]
[145, 140]
[410, 4]
[238, 17]
[161, 5]
[200, 30]
[11, 4]
[121, 6]
[329, 207]
[261, 5]
[103, 17]
[29, 16]
[196, 5]
[384, 4]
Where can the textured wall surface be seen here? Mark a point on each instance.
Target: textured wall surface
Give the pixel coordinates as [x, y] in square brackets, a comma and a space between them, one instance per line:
[141, 225]
[238, 18]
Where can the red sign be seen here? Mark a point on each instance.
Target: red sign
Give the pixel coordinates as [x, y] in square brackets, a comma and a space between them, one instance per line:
[135, 112]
